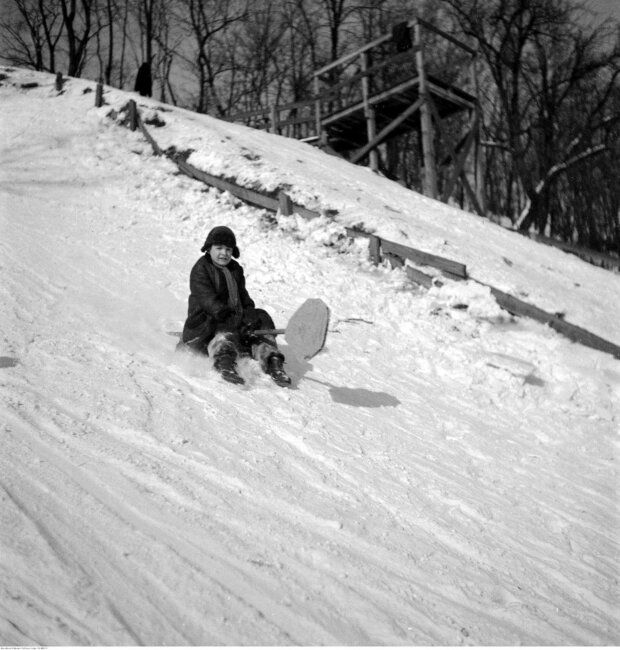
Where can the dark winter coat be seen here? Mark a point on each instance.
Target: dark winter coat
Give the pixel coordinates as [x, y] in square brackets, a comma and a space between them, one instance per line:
[209, 296]
[144, 83]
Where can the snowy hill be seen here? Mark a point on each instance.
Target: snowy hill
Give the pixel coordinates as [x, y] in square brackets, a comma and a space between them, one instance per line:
[441, 474]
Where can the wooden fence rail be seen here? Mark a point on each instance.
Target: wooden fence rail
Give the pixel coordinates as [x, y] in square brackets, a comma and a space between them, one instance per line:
[380, 249]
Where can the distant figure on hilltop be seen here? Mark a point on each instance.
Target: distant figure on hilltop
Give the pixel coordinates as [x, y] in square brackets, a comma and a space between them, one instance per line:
[144, 83]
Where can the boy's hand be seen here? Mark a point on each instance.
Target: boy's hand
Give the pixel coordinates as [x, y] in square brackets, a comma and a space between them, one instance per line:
[223, 314]
[248, 326]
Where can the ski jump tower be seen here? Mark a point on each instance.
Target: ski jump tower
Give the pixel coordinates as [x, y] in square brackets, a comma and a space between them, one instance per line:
[382, 91]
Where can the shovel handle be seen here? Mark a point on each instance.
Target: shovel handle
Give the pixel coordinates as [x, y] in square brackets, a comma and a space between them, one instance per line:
[259, 332]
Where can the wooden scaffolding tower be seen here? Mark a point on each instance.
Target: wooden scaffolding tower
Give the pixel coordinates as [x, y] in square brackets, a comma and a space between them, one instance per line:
[381, 91]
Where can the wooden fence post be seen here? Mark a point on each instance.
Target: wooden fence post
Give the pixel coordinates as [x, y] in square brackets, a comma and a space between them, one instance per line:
[369, 113]
[374, 249]
[133, 115]
[99, 95]
[318, 123]
[429, 180]
[59, 81]
[274, 119]
[285, 204]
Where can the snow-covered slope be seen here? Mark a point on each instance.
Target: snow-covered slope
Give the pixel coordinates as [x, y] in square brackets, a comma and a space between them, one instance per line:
[440, 474]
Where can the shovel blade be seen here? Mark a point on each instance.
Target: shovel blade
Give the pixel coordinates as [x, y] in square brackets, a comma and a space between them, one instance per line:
[307, 329]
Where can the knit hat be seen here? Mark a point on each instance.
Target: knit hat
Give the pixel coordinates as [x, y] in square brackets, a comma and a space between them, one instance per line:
[222, 236]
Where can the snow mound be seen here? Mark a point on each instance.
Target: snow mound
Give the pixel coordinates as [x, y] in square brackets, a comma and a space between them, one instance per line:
[441, 474]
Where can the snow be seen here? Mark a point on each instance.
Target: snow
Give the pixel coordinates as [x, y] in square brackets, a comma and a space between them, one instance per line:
[440, 474]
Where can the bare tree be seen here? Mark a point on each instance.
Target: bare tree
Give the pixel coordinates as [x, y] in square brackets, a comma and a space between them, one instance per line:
[150, 14]
[339, 15]
[573, 120]
[104, 12]
[299, 49]
[553, 82]
[207, 21]
[261, 61]
[31, 32]
[77, 19]
[123, 22]
[169, 41]
[111, 10]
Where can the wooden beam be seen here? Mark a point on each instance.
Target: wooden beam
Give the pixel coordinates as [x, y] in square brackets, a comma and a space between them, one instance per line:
[133, 115]
[420, 278]
[459, 169]
[99, 95]
[308, 119]
[273, 127]
[573, 332]
[247, 195]
[374, 249]
[396, 59]
[305, 212]
[381, 97]
[285, 204]
[347, 58]
[156, 148]
[335, 117]
[238, 117]
[426, 123]
[459, 164]
[358, 106]
[593, 257]
[450, 95]
[388, 37]
[415, 275]
[320, 134]
[400, 58]
[380, 246]
[385, 132]
[459, 159]
[445, 265]
[369, 113]
[472, 195]
[376, 99]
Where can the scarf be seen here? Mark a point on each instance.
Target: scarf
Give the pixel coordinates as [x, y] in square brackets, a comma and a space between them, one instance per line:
[233, 295]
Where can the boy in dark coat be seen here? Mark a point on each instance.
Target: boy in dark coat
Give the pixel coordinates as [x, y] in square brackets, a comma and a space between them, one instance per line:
[221, 316]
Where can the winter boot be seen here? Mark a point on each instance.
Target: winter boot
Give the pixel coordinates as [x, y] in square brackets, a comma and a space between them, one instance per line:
[276, 371]
[226, 366]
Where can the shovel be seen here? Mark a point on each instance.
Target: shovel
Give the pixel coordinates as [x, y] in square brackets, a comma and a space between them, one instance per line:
[307, 328]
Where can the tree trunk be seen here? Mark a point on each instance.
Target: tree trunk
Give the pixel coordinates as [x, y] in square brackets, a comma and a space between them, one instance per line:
[110, 61]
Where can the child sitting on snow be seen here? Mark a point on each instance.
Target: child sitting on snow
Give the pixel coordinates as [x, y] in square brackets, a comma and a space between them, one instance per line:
[221, 316]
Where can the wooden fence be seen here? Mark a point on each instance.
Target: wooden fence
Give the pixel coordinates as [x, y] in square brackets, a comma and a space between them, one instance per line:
[383, 249]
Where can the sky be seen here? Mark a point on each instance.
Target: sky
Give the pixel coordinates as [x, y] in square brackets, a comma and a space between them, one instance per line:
[606, 7]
